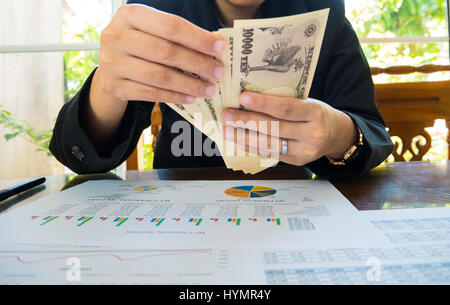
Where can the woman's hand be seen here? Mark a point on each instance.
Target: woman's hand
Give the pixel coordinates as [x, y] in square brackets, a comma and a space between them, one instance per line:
[313, 128]
[142, 48]
[141, 52]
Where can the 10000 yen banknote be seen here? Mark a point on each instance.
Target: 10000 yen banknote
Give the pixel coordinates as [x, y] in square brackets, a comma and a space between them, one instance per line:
[276, 56]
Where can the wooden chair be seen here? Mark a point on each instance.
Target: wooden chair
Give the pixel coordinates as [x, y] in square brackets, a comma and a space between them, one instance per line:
[408, 108]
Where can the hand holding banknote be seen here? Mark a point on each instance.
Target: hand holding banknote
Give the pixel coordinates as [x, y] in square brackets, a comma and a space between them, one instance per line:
[142, 53]
[273, 64]
[312, 128]
[257, 74]
[262, 100]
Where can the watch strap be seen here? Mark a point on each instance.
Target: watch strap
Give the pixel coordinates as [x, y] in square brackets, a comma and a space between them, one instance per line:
[351, 153]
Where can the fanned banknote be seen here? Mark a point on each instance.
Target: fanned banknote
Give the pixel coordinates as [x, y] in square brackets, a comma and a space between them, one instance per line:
[276, 56]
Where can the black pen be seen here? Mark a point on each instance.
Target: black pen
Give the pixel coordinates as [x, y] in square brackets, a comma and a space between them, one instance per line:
[7, 193]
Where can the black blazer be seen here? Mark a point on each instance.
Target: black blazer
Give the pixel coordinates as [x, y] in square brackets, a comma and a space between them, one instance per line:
[342, 79]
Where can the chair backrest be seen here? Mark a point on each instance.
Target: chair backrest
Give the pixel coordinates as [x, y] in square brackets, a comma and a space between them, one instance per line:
[409, 108]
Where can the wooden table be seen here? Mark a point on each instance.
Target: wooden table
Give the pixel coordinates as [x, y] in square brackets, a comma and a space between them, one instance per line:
[395, 185]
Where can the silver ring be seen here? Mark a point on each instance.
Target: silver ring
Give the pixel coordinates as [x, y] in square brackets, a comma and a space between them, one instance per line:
[284, 150]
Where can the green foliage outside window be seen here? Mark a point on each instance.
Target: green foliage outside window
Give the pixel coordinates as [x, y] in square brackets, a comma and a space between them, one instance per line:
[78, 65]
[402, 18]
[41, 138]
[148, 156]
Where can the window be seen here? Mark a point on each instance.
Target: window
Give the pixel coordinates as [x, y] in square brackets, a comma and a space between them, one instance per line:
[410, 33]
[402, 32]
[47, 50]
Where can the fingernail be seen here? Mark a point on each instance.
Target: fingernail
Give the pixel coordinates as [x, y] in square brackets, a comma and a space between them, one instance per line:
[190, 99]
[227, 116]
[210, 90]
[218, 72]
[246, 99]
[219, 46]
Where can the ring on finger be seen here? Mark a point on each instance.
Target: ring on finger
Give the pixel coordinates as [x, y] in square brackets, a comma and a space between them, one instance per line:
[284, 147]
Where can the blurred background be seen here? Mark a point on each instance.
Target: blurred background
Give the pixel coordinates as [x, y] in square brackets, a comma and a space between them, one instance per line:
[49, 47]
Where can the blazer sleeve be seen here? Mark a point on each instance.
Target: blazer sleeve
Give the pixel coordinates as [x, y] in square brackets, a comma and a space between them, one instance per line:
[72, 146]
[348, 86]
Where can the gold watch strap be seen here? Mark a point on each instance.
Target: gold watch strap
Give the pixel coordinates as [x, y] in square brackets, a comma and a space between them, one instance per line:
[351, 152]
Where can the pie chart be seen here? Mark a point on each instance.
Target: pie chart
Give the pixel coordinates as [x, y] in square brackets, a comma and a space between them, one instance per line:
[147, 188]
[250, 191]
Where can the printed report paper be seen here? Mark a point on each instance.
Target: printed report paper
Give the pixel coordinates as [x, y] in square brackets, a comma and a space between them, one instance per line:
[187, 214]
[220, 232]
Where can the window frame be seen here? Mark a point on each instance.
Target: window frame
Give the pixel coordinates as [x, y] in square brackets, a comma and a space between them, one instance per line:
[59, 47]
[95, 46]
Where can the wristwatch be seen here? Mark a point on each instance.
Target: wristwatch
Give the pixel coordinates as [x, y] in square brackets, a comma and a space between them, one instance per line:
[351, 153]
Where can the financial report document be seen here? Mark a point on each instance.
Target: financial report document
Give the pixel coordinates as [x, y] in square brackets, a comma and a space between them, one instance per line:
[219, 232]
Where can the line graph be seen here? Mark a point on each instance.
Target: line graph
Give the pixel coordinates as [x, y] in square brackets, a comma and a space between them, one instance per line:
[110, 266]
[113, 254]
